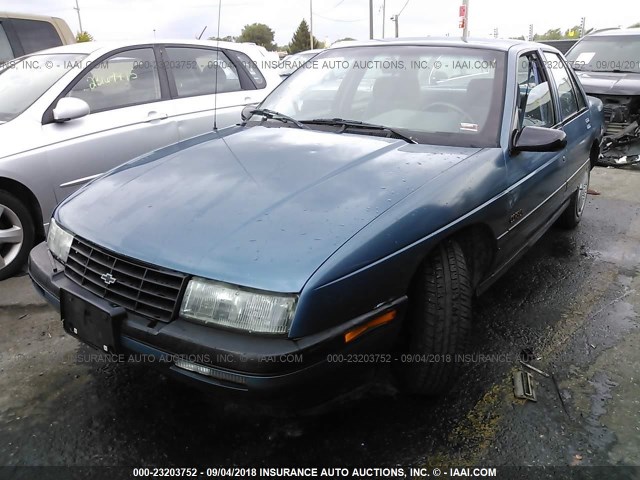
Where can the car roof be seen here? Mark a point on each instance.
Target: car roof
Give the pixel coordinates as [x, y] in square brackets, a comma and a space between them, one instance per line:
[491, 43]
[307, 52]
[88, 48]
[615, 32]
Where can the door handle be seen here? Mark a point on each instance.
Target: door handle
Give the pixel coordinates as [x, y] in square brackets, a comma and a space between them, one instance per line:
[153, 116]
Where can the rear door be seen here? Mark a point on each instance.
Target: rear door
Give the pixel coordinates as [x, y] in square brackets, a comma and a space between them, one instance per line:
[202, 79]
[130, 115]
[538, 179]
[574, 114]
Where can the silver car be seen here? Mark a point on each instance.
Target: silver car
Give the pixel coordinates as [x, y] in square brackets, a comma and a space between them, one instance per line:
[70, 113]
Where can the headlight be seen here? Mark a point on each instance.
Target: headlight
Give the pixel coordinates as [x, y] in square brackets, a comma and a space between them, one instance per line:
[59, 241]
[214, 303]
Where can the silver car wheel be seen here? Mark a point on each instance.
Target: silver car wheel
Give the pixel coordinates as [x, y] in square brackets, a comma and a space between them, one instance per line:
[583, 188]
[11, 235]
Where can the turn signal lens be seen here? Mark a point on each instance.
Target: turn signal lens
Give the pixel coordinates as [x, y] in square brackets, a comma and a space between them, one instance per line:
[383, 319]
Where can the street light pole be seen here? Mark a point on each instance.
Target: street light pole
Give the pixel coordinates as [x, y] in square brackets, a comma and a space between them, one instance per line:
[371, 19]
[465, 31]
[77, 9]
[384, 15]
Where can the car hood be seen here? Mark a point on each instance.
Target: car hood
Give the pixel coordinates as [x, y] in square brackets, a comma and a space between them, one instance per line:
[610, 83]
[259, 207]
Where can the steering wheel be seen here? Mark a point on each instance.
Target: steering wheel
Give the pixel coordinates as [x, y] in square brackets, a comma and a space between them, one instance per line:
[464, 115]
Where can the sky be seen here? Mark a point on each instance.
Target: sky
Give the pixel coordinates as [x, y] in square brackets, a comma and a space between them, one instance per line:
[332, 19]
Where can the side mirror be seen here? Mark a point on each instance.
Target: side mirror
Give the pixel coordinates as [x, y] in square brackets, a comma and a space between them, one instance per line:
[246, 112]
[540, 139]
[69, 108]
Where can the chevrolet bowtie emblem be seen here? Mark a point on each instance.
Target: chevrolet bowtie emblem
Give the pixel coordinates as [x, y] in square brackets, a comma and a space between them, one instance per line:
[108, 279]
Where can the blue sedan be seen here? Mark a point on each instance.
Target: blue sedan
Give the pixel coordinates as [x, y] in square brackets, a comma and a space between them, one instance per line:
[346, 223]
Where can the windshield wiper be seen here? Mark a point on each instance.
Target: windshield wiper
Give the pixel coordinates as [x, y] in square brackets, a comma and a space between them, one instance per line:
[273, 115]
[358, 124]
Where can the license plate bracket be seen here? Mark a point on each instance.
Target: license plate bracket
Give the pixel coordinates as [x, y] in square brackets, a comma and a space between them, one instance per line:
[93, 325]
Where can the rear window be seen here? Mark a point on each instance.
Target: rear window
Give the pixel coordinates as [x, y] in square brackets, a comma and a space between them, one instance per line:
[252, 68]
[35, 35]
[6, 52]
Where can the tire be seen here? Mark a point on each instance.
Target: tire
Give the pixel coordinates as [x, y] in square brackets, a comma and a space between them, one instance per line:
[17, 234]
[438, 322]
[572, 215]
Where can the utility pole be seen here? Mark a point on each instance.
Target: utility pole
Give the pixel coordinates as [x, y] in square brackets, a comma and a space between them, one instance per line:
[77, 9]
[395, 19]
[531, 32]
[371, 19]
[384, 15]
[311, 23]
[582, 26]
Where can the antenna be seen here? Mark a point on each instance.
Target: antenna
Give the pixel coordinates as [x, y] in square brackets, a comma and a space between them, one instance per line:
[215, 91]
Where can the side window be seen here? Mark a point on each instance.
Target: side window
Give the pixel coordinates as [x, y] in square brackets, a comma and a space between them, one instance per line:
[566, 89]
[126, 78]
[535, 105]
[35, 35]
[252, 68]
[6, 52]
[195, 70]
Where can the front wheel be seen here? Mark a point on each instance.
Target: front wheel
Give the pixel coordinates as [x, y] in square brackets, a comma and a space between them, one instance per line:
[17, 234]
[572, 215]
[438, 322]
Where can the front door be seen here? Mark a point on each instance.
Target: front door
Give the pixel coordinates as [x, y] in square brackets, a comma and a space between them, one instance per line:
[128, 118]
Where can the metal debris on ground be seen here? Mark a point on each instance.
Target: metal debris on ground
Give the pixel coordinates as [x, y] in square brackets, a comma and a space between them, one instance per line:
[523, 386]
[527, 355]
[531, 367]
[621, 145]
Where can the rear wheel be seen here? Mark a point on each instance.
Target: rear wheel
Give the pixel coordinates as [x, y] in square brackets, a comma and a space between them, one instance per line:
[16, 234]
[438, 322]
[571, 217]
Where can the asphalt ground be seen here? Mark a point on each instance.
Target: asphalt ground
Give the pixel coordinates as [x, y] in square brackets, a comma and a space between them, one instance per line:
[571, 303]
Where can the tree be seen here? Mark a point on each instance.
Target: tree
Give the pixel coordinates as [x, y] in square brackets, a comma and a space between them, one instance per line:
[258, 33]
[301, 42]
[635, 25]
[345, 39]
[521, 37]
[551, 34]
[573, 32]
[84, 37]
[228, 38]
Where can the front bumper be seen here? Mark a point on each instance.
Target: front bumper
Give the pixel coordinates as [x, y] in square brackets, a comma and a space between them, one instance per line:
[235, 360]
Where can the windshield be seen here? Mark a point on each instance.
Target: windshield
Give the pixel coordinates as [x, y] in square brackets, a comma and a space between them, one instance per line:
[606, 54]
[23, 81]
[292, 62]
[437, 95]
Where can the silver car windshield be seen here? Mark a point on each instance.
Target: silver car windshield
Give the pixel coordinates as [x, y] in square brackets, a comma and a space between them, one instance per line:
[24, 80]
[606, 54]
[433, 94]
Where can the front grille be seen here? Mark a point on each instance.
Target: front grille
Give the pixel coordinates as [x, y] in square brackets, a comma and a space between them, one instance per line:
[145, 290]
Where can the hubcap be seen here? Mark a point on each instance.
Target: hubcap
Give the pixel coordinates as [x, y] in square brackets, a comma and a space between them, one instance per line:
[11, 236]
[582, 193]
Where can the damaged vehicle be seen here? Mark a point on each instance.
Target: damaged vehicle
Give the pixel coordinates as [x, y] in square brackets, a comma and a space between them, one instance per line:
[608, 66]
[344, 226]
